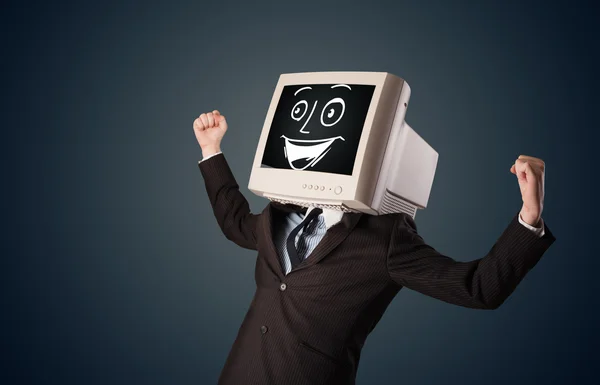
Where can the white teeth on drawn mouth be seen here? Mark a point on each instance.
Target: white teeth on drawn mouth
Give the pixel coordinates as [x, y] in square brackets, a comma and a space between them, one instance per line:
[306, 151]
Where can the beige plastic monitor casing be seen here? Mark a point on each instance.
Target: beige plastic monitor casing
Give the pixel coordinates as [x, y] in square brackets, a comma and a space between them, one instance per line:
[383, 137]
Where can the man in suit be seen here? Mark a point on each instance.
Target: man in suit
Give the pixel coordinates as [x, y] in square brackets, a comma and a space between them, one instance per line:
[324, 278]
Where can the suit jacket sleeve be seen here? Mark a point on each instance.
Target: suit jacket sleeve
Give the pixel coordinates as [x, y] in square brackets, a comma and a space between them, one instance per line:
[483, 283]
[230, 207]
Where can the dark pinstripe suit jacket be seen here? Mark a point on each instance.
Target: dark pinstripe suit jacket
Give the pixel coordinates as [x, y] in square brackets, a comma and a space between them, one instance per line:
[309, 327]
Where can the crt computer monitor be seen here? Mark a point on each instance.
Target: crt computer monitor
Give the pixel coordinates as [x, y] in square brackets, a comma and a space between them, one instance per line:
[339, 140]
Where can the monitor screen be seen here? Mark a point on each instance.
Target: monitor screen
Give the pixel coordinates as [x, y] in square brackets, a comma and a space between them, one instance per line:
[317, 127]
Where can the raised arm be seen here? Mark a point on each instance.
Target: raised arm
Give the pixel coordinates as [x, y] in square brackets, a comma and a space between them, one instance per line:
[483, 283]
[230, 207]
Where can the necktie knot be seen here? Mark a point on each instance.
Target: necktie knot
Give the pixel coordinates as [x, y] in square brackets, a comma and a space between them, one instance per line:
[291, 247]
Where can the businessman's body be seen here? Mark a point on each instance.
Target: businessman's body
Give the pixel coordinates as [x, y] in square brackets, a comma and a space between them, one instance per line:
[307, 324]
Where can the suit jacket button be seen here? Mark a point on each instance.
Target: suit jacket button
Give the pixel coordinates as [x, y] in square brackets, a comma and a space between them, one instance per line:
[282, 287]
[263, 329]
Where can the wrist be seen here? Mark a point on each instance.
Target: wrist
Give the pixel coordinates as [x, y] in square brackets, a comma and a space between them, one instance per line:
[210, 150]
[531, 220]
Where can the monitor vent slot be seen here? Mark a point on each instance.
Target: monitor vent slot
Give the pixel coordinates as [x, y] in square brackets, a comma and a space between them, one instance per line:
[341, 207]
[392, 203]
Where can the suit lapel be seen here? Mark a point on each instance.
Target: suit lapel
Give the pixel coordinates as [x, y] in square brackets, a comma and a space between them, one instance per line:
[333, 237]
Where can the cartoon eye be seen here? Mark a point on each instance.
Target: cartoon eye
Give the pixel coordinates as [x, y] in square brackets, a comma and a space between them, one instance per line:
[335, 110]
[299, 110]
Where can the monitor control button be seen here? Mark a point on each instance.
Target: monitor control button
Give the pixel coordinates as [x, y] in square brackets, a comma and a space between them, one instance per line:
[338, 190]
[304, 185]
[310, 186]
[322, 188]
[316, 187]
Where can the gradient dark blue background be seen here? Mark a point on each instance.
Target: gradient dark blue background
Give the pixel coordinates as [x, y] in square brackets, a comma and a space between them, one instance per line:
[114, 270]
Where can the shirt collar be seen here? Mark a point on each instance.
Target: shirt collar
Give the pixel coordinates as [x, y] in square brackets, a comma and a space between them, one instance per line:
[331, 216]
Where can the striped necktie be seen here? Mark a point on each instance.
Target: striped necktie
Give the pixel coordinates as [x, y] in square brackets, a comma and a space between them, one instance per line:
[295, 259]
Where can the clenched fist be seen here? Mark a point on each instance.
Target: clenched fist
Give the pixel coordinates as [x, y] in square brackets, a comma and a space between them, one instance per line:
[210, 128]
[530, 174]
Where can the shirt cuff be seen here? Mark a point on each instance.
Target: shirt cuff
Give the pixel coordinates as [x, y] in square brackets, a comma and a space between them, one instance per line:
[208, 157]
[539, 231]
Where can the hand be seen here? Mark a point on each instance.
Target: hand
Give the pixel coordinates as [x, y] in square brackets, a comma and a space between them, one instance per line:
[210, 128]
[530, 174]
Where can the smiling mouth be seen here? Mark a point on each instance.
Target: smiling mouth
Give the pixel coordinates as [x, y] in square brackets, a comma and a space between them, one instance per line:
[306, 153]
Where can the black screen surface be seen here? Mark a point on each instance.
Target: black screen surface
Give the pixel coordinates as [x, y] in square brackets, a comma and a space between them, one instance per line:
[318, 127]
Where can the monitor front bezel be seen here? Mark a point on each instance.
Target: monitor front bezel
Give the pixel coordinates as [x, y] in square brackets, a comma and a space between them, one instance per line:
[330, 187]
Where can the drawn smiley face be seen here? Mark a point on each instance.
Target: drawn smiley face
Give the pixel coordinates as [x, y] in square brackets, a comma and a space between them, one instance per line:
[312, 121]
